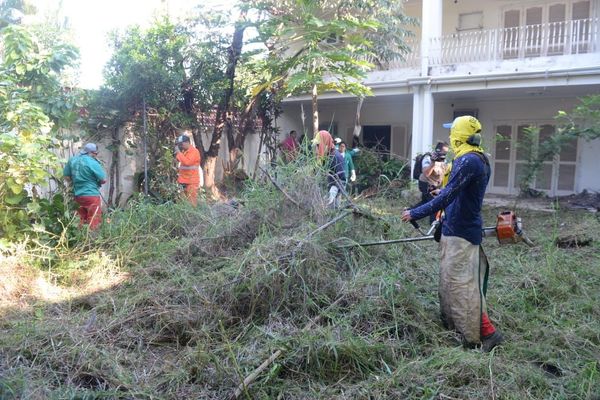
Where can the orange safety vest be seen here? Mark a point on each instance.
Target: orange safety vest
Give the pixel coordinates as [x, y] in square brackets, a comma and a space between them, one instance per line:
[189, 164]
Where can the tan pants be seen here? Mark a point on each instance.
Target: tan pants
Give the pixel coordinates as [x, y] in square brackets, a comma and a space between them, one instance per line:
[463, 269]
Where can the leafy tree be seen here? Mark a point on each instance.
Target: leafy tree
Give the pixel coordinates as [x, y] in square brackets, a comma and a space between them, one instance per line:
[34, 106]
[327, 45]
[182, 71]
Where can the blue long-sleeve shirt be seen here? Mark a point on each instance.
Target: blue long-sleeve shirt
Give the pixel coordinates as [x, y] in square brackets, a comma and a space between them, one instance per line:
[336, 168]
[462, 199]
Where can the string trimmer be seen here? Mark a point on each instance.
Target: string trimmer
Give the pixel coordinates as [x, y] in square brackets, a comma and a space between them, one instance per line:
[508, 230]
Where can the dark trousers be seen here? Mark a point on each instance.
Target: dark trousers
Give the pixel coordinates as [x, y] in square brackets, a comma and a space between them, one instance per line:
[425, 197]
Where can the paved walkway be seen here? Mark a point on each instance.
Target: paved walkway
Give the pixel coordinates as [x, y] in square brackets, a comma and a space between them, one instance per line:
[583, 201]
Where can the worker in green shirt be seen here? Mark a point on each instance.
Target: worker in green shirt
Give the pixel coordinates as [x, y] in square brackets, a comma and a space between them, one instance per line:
[86, 175]
[348, 163]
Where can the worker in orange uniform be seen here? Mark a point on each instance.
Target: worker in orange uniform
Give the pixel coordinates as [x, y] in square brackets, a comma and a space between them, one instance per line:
[189, 168]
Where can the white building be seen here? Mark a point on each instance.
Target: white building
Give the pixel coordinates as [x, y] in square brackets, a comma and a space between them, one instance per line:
[511, 63]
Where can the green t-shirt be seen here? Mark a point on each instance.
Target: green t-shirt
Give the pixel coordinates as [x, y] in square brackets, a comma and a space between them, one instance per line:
[348, 164]
[86, 173]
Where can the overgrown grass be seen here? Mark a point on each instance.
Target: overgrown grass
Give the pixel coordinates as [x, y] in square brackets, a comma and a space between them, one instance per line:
[170, 302]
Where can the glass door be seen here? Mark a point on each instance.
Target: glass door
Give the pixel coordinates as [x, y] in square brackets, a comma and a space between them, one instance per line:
[502, 157]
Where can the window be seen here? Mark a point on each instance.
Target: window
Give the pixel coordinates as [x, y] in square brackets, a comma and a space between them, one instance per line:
[470, 21]
[378, 137]
[546, 28]
[329, 126]
[557, 14]
[557, 175]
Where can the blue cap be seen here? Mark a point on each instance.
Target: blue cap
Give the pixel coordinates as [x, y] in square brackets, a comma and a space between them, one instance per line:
[89, 148]
[183, 138]
[447, 125]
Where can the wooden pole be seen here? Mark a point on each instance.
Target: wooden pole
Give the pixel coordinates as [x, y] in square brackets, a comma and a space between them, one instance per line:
[145, 147]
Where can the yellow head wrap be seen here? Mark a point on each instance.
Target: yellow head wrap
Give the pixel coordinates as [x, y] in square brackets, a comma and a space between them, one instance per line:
[465, 137]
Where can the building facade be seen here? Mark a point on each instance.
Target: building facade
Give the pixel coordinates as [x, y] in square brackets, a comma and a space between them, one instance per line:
[511, 64]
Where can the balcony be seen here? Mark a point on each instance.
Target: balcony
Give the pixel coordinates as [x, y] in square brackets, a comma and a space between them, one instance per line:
[516, 43]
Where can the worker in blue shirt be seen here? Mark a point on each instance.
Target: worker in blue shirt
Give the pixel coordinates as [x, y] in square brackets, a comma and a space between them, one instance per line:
[463, 265]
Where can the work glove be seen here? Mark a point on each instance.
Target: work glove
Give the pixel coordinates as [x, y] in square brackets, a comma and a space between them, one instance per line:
[353, 176]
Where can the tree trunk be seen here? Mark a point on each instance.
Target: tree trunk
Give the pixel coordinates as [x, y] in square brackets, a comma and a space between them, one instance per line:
[357, 126]
[197, 134]
[315, 110]
[115, 169]
[210, 166]
[224, 108]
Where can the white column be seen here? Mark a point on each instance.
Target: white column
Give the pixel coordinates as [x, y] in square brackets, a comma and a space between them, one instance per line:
[417, 124]
[431, 27]
[422, 121]
[427, 119]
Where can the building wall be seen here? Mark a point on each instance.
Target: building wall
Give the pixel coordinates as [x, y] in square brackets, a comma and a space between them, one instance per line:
[492, 10]
[395, 111]
[491, 111]
[131, 162]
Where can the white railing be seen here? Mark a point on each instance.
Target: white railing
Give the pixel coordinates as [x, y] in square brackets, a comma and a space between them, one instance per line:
[555, 38]
[412, 59]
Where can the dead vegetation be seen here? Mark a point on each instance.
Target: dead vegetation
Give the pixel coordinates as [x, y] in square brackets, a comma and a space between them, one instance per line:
[172, 303]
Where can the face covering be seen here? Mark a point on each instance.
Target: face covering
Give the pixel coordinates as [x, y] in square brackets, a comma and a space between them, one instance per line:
[462, 129]
[324, 143]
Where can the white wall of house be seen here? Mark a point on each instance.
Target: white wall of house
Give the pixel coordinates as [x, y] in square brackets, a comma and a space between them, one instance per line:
[522, 111]
[461, 15]
[537, 71]
[492, 110]
[395, 111]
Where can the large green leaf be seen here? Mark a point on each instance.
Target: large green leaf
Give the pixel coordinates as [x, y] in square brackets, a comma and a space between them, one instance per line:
[14, 187]
[14, 199]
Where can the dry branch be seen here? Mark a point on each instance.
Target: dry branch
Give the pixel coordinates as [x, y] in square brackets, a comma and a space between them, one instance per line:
[254, 374]
[280, 188]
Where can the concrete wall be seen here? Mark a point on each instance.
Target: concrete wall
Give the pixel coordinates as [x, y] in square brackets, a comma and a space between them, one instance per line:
[249, 155]
[131, 161]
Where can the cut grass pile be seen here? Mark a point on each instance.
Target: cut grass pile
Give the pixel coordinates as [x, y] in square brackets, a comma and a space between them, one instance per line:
[167, 302]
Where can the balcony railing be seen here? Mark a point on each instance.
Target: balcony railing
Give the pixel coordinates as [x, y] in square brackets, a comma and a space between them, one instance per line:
[550, 39]
[411, 59]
